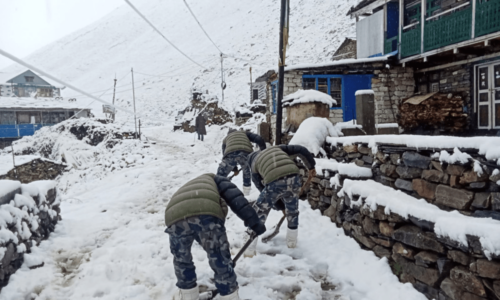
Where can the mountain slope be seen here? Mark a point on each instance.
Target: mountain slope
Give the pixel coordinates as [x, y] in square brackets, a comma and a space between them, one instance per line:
[246, 30]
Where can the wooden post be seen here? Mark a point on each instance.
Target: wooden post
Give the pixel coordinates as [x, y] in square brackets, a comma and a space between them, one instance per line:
[422, 23]
[14, 161]
[133, 93]
[114, 90]
[401, 24]
[222, 84]
[281, 76]
[474, 5]
[251, 87]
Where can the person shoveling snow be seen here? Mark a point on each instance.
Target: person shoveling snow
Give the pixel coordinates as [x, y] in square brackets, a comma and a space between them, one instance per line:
[197, 211]
[235, 148]
[277, 177]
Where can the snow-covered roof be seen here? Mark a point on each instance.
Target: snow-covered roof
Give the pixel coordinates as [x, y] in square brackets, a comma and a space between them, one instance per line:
[28, 102]
[308, 96]
[348, 61]
[6, 76]
[364, 92]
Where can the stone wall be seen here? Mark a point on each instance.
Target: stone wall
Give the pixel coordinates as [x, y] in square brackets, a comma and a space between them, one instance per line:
[437, 266]
[37, 169]
[31, 212]
[390, 87]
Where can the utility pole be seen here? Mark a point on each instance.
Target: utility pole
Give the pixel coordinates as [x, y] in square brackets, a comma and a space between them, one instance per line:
[114, 90]
[281, 75]
[251, 86]
[223, 84]
[133, 93]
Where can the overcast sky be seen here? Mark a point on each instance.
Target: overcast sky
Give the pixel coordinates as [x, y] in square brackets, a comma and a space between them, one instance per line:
[27, 25]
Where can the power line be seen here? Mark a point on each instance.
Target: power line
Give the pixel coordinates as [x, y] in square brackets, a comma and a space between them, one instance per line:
[151, 24]
[189, 8]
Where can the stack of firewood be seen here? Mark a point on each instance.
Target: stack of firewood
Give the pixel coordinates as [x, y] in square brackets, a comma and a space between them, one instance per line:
[433, 111]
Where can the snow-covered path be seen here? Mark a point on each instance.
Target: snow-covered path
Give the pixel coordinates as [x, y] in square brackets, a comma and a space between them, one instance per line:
[111, 244]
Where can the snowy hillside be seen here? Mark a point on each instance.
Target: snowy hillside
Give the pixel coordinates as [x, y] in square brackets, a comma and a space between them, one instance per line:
[246, 30]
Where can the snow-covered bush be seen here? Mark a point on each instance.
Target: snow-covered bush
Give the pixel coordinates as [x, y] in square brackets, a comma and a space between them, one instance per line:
[312, 134]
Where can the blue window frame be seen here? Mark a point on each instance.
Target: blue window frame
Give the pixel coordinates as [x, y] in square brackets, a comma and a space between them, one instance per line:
[274, 94]
[341, 87]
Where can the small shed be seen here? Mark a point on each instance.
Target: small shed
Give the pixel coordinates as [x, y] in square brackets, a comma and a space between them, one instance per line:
[304, 104]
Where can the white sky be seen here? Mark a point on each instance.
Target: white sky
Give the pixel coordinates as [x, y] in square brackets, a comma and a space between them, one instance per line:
[27, 25]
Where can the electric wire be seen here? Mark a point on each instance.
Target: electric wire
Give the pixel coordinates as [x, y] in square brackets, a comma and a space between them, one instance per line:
[196, 19]
[159, 32]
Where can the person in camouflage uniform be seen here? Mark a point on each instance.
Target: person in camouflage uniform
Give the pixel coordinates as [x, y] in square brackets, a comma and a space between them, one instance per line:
[197, 212]
[276, 175]
[235, 148]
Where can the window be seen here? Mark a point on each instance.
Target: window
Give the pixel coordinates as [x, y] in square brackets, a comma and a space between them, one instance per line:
[29, 78]
[434, 87]
[488, 96]
[325, 83]
[7, 118]
[255, 94]
[29, 117]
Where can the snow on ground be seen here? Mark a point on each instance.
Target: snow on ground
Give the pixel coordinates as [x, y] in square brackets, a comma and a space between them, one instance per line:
[111, 245]
[7, 162]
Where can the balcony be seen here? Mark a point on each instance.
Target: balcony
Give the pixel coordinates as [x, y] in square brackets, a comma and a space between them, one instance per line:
[451, 27]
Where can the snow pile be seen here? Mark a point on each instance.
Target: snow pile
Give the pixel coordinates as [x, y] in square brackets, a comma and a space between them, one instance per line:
[7, 163]
[487, 146]
[457, 156]
[312, 134]
[349, 170]
[447, 224]
[308, 96]
[364, 92]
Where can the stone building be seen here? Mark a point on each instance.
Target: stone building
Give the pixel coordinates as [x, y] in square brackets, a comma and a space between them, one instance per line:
[346, 50]
[27, 84]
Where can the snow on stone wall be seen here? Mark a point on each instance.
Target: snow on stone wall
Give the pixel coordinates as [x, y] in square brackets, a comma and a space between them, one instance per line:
[28, 214]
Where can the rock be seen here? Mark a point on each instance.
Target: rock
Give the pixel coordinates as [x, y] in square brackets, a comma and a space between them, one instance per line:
[354, 155]
[415, 160]
[488, 269]
[325, 199]
[426, 258]
[386, 242]
[477, 185]
[351, 148]
[403, 250]
[455, 170]
[454, 181]
[496, 287]
[429, 292]
[328, 193]
[316, 180]
[381, 156]
[455, 292]
[452, 243]
[359, 162]
[413, 236]
[455, 198]
[386, 229]
[314, 193]
[407, 278]
[395, 218]
[435, 176]
[367, 159]
[471, 176]
[404, 184]
[325, 183]
[331, 212]
[444, 266]
[408, 173]
[495, 201]
[9, 254]
[495, 215]
[378, 214]
[495, 177]
[395, 158]
[389, 170]
[424, 188]
[466, 280]
[426, 275]
[493, 188]
[481, 201]
[364, 150]
[370, 226]
[437, 165]
[422, 224]
[459, 257]
[381, 251]
[357, 233]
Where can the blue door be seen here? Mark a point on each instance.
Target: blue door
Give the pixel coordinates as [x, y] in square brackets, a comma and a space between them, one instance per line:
[351, 84]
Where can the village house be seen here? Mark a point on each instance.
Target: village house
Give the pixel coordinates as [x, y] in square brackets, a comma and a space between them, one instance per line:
[27, 84]
[453, 48]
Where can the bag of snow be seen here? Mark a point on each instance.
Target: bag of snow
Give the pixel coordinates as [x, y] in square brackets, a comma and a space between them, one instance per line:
[312, 134]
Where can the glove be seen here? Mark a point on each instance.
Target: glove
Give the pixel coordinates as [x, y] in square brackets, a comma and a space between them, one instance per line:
[259, 228]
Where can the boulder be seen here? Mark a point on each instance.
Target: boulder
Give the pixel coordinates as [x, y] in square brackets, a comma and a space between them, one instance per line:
[435, 176]
[364, 150]
[455, 170]
[481, 201]
[488, 269]
[455, 198]
[472, 176]
[388, 170]
[428, 276]
[386, 229]
[414, 236]
[403, 250]
[381, 251]
[467, 281]
[386, 242]
[408, 173]
[459, 257]
[395, 158]
[405, 185]
[370, 226]
[437, 165]
[426, 258]
[351, 148]
[455, 292]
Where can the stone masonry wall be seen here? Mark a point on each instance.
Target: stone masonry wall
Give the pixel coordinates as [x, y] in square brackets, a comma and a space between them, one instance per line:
[390, 87]
[439, 267]
[30, 212]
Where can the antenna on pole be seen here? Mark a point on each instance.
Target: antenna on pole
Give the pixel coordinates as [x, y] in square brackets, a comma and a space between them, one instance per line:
[133, 94]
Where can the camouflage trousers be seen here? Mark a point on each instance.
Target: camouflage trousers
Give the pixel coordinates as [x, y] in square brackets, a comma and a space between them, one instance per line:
[232, 160]
[280, 194]
[210, 233]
